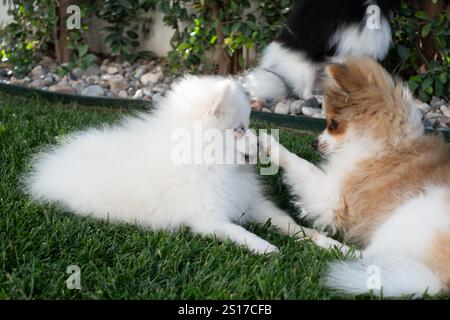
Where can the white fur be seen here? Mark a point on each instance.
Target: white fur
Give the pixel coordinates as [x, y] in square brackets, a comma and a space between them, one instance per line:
[300, 73]
[398, 248]
[362, 42]
[400, 245]
[398, 276]
[125, 173]
[292, 66]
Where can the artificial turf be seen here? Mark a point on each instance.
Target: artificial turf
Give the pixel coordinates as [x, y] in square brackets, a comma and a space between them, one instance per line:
[119, 261]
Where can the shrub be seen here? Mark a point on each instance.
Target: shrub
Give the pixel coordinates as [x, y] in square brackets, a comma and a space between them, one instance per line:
[228, 28]
[421, 54]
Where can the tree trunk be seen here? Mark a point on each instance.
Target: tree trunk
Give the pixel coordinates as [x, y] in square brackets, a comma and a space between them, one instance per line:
[223, 59]
[428, 44]
[63, 54]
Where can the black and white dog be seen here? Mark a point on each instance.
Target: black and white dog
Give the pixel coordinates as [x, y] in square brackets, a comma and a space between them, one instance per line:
[318, 32]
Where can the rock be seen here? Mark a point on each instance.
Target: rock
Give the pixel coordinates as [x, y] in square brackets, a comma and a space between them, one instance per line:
[123, 94]
[319, 99]
[318, 116]
[432, 115]
[14, 80]
[296, 107]
[444, 119]
[93, 79]
[112, 70]
[307, 111]
[445, 110]
[139, 94]
[56, 78]
[281, 108]
[427, 123]
[37, 83]
[3, 73]
[114, 77]
[444, 127]
[436, 102]
[312, 103]
[72, 76]
[257, 105]
[151, 78]
[161, 87]
[118, 85]
[38, 72]
[92, 70]
[422, 106]
[46, 62]
[147, 91]
[93, 91]
[157, 98]
[48, 79]
[62, 88]
[140, 71]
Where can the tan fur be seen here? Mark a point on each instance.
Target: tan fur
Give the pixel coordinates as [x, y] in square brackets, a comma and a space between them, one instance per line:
[379, 185]
[363, 93]
[363, 96]
[439, 257]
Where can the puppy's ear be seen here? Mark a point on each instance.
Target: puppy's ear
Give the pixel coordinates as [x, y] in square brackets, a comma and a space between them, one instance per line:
[356, 74]
[218, 102]
[343, 78]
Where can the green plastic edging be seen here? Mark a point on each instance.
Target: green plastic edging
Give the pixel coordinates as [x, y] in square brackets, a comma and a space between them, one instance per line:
[294, 122]
[72, 98]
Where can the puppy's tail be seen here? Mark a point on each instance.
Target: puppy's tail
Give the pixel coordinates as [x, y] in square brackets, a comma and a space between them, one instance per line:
[389, 276]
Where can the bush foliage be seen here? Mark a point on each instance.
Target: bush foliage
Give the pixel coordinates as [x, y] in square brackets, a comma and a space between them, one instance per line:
[230, 29]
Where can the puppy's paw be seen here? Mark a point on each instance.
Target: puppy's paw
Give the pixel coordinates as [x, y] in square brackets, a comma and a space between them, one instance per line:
[262, 247]
[267, 143]
[267, 249]
[247, 144]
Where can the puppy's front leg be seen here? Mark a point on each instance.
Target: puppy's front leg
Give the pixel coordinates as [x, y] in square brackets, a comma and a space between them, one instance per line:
[316, 192]
[263, 210]
[225, 230]
[298, 168]
[325, 242]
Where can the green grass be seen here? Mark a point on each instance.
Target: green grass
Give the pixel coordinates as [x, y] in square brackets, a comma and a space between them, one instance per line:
[118, 261]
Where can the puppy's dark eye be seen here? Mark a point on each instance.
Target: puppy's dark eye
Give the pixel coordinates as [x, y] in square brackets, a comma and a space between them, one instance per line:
[334, 125]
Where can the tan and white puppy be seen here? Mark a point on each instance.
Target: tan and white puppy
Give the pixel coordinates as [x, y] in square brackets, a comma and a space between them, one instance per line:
[384, 184]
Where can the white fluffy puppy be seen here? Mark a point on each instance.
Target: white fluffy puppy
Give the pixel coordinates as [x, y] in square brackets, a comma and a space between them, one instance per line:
[132, 172]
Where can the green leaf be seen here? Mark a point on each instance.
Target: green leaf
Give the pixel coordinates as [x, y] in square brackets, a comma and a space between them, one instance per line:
[438, 87]
[422, 15]
[413, 85]
[423, 96]
[165, 7]
[235, 28]
[132, 35]
[403, 52]
[82, 50]
[426, 30]
[426, 84]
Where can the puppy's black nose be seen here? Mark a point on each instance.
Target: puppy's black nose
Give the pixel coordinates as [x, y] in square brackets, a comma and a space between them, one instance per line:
[315, 144]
